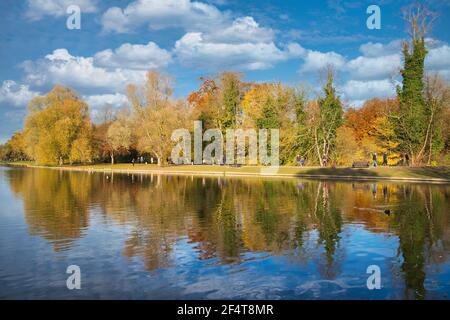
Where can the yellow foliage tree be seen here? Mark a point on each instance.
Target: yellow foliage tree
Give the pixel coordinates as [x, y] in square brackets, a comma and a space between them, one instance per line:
[346, 146]
[58, 128]
[156, 115]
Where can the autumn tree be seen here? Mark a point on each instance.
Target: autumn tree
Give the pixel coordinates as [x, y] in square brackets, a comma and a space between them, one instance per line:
[372, 129]
[346, 146]
[58, 128]
[253, 102]
[156, 115]
[119, 135]
[276, 106]
[205, 104]
[437, 105]
[14, 149]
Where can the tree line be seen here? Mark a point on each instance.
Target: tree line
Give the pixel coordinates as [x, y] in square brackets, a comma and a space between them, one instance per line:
[59, 130]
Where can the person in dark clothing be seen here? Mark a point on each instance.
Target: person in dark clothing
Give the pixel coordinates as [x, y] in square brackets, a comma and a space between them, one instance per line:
[385, 159]
[406, 159]
[302, 161]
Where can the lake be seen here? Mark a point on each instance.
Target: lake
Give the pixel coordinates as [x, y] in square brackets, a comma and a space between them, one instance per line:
[182, 237]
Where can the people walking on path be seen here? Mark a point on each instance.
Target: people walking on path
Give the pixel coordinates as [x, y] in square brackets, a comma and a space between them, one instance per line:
[385, 159]
[374, 159]
[297, 160]
[406, 159]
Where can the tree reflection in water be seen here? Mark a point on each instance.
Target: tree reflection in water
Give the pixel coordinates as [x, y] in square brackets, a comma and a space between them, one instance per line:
[226, 218]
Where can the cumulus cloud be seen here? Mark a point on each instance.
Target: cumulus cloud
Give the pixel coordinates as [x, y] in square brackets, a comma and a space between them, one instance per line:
[134, 56]
[316, 60]
[244, 29]
[212, 39]
[374, 67]
[193, 50]
[37, 9]
[438, 60]
[157, 14]
[371, 49]
[18, 95]
[439, 57]
[377, 61]
[78, 72]
[369, 75]
[355, 90]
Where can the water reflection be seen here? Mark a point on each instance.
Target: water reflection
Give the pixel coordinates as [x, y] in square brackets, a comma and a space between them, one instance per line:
[226, 219]
[56, 207]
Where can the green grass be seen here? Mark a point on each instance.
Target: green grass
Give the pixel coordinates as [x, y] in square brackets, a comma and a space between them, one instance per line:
[18, 163]
[419, 173]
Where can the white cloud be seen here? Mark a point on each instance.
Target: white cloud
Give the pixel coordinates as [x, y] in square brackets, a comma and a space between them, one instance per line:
[375, 50]
[16, 94]
[355, 90]
[193, 50]
[316, 60]
[134, 56]
[378, 57]
[374, 67]
[295, 50]
[369, 74]
[212, 39]
[191, 16]
[439, 57]
[244, 29]
[37, 9]
[157, 14]
[78, 72]
[98, 101]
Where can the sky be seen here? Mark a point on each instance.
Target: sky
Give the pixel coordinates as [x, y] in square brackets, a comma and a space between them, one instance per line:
[288, 41]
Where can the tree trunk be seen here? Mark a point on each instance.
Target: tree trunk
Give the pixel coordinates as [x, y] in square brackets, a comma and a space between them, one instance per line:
[429, 128]
[431, 147]
[316, 142]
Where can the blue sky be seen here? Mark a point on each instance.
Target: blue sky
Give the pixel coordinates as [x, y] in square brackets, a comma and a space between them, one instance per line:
[267, 40]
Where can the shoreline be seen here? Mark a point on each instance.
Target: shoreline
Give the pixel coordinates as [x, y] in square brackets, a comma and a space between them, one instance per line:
[369, 174]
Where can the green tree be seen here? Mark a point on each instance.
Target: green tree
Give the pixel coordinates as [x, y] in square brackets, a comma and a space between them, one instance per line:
[269, 116]
[329, 120]
[231, 96]
[303, 138]
[410, 122]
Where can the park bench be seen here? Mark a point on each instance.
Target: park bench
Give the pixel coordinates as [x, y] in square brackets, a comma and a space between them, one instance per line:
[360, 164]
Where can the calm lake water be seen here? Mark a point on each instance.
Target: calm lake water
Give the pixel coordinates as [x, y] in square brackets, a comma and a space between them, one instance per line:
[170, 237]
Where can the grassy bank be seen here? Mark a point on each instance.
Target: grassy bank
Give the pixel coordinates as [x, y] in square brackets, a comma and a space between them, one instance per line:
[432, 174]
